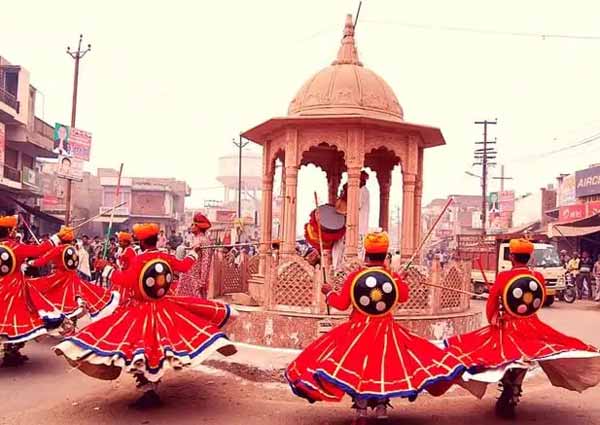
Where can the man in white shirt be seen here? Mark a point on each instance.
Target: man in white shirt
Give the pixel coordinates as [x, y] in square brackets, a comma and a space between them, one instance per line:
[363, 210]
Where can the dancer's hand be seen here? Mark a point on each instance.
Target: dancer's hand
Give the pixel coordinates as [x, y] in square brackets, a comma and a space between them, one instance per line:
[100, 264]
[326, 288]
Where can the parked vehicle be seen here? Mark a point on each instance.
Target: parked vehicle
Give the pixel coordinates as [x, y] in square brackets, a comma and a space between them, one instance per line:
[569, 294]
[489, 255]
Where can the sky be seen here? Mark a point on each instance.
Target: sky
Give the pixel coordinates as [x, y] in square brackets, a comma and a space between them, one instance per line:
[167, 85]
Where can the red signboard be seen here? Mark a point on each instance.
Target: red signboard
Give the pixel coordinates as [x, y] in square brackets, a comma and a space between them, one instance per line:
[225, 216]
[572, 212]
[593, 208]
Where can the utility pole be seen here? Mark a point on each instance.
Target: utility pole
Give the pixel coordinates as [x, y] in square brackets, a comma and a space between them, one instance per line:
[502, 178]
[240, 145]
[484, 155]
[77, 56]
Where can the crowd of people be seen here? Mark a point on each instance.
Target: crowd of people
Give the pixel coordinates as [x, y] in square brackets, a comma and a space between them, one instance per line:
[584, 272]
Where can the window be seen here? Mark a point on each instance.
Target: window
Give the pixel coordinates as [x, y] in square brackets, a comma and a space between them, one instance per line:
[506, 253]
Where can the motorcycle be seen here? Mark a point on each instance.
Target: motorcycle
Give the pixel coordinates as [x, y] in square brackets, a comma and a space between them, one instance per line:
[569, 294]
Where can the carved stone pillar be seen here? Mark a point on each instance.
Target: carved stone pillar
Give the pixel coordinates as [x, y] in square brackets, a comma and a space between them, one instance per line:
[418, 201]
[280, 230]
[419, 197]
[408, 215]
[384, 178]
[352, 214]
[266, 225]
[289, 202]
[333, 183]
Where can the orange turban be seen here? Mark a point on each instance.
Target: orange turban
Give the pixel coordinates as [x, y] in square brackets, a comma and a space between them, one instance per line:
[377, 243]
[145, 230]
[66, 234]
[124, 236]
[201, 221]
[8, 221]
[520, 246]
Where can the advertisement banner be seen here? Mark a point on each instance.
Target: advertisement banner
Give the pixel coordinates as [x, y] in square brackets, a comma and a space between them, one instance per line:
[593, 208]
[81, 143]
[506, 200]
[571, 212]
[566, 191]
[225, 216]
[493, 202]
[61, 139]
[2, 143]
[53, 190]
[588, 182]
[69, 168]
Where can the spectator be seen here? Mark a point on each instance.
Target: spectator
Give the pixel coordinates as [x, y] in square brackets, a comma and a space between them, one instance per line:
[573, 270]
[162, 240]
[585, 282]
[396, 262]
[84, 261]
[596, 277]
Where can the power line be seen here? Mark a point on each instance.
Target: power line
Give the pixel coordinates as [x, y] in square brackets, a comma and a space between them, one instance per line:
[485, 155]
[581, 142]
[543, 36]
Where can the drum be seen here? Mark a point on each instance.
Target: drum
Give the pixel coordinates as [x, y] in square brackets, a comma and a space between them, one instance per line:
[374, 292]
[155, 279]
[331, 221]
[523, 296]
[8, 261]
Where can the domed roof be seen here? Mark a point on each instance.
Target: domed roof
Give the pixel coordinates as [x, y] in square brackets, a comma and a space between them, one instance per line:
[346, 88]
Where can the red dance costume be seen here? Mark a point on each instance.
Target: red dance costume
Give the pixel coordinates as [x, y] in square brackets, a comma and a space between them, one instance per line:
[25, 313]
[67, 291]
[370, 356]
[125, 258]
[510, 341]
[154, 330]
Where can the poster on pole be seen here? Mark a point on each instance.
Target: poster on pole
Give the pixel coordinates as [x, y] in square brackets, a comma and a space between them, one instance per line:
[80, 142]
[69, 168]
[61, 139]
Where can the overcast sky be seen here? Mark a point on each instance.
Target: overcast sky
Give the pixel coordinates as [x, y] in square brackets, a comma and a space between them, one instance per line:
[167, 85]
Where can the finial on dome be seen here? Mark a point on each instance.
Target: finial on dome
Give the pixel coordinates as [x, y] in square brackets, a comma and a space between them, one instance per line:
[347, 53]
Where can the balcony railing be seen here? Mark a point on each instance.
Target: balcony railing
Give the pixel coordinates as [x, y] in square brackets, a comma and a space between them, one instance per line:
[9, 99]
[11, 173]
[43, 128]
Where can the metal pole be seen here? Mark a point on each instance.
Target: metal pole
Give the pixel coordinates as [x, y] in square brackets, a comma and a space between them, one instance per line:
[484, 181]
[240, 179]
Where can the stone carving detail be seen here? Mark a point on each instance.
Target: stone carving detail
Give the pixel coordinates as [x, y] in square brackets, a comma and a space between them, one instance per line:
[419, 295]
[453, 277]
[295, 284]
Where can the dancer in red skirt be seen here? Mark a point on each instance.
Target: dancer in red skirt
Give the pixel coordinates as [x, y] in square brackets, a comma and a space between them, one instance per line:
[154, 331]
[125, 257]
[66, 290]
[371, 357]
[516, 340]
[25, 313]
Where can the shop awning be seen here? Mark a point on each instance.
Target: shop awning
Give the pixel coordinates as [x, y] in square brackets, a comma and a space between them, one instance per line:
[36, 212]
[581, 227]
[106, 219]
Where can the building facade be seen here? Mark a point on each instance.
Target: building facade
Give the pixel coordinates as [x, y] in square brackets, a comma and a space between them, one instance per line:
[147, 199]
[23, 139]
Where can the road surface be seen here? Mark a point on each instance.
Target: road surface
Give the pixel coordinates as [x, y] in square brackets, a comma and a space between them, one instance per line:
[47, 391]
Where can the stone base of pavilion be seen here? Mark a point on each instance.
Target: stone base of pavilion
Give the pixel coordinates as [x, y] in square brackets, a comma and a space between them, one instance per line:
[293, 314]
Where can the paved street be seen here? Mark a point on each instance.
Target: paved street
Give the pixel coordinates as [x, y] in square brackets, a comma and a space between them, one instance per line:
[46, 391]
